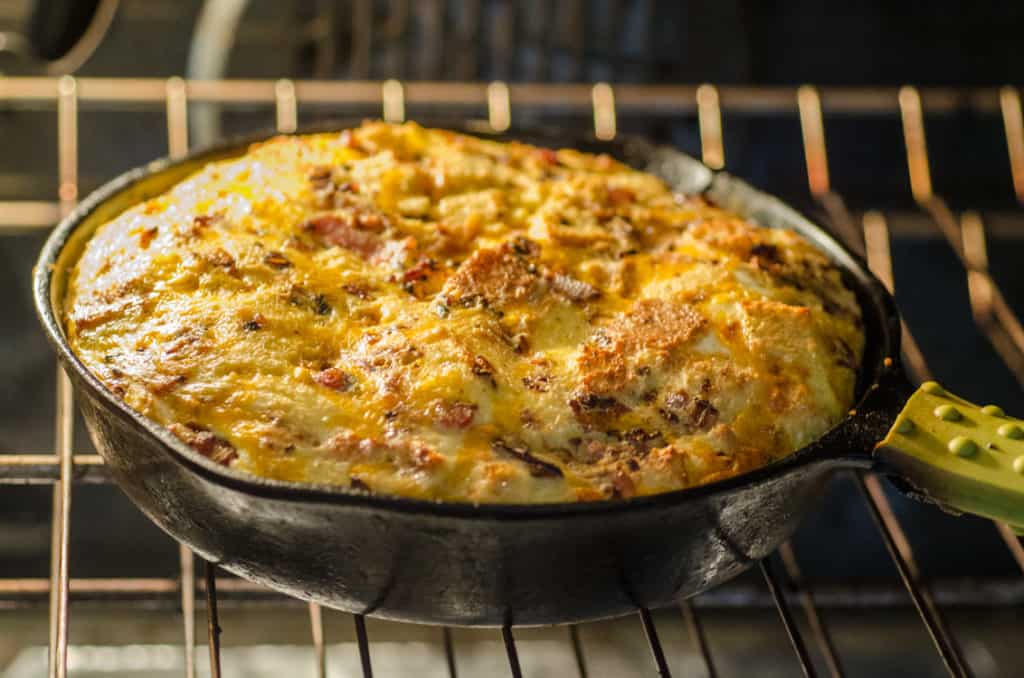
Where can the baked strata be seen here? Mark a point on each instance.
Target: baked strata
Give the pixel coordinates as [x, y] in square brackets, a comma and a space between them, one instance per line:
[422, 313]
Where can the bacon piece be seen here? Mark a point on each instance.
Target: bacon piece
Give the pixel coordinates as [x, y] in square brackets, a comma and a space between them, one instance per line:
[694, 414]
[619, 196]
[421, 270]
[454, 414]
[483, 368]
[348, 446]
[220, 258]
[146, 237]
[547, 156]
[396, 450]
[334, 378]
[341, 231]
[642, 442]
[612, 446]
[593, 410]
[357, 290]
[353, 232]
[205, 442]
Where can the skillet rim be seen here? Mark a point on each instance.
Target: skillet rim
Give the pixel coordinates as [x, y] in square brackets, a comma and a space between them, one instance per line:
[850, 264]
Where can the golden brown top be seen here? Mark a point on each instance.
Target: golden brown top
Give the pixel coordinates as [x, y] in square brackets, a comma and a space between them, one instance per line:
[428, 314]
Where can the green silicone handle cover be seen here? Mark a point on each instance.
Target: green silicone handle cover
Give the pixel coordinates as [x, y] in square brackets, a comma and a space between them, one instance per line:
[966, 458]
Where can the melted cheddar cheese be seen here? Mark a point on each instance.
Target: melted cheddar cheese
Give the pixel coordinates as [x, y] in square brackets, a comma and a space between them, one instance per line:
[422, 313]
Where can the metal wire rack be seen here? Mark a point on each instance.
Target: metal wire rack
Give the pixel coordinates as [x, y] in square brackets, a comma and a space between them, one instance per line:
[788, 590]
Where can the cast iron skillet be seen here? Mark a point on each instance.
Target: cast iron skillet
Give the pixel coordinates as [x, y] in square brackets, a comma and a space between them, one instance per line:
[463, 564]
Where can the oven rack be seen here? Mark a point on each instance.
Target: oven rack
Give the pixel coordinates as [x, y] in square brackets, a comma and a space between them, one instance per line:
[869, 234]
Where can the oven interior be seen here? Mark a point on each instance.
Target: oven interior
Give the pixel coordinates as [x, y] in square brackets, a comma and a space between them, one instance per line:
[926, 181]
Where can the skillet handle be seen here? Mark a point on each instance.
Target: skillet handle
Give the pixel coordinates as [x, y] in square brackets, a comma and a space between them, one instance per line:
[961, 456]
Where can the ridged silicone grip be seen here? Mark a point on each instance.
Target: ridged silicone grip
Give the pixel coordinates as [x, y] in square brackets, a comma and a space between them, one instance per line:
[964, 457]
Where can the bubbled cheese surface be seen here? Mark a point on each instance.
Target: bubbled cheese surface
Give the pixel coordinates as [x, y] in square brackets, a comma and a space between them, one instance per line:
[422, 313]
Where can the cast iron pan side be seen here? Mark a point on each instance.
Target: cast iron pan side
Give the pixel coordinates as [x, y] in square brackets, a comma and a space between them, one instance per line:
[458, 563]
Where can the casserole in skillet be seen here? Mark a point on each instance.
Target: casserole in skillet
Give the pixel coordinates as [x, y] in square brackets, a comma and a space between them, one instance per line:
[504, 563]
[434, 315]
